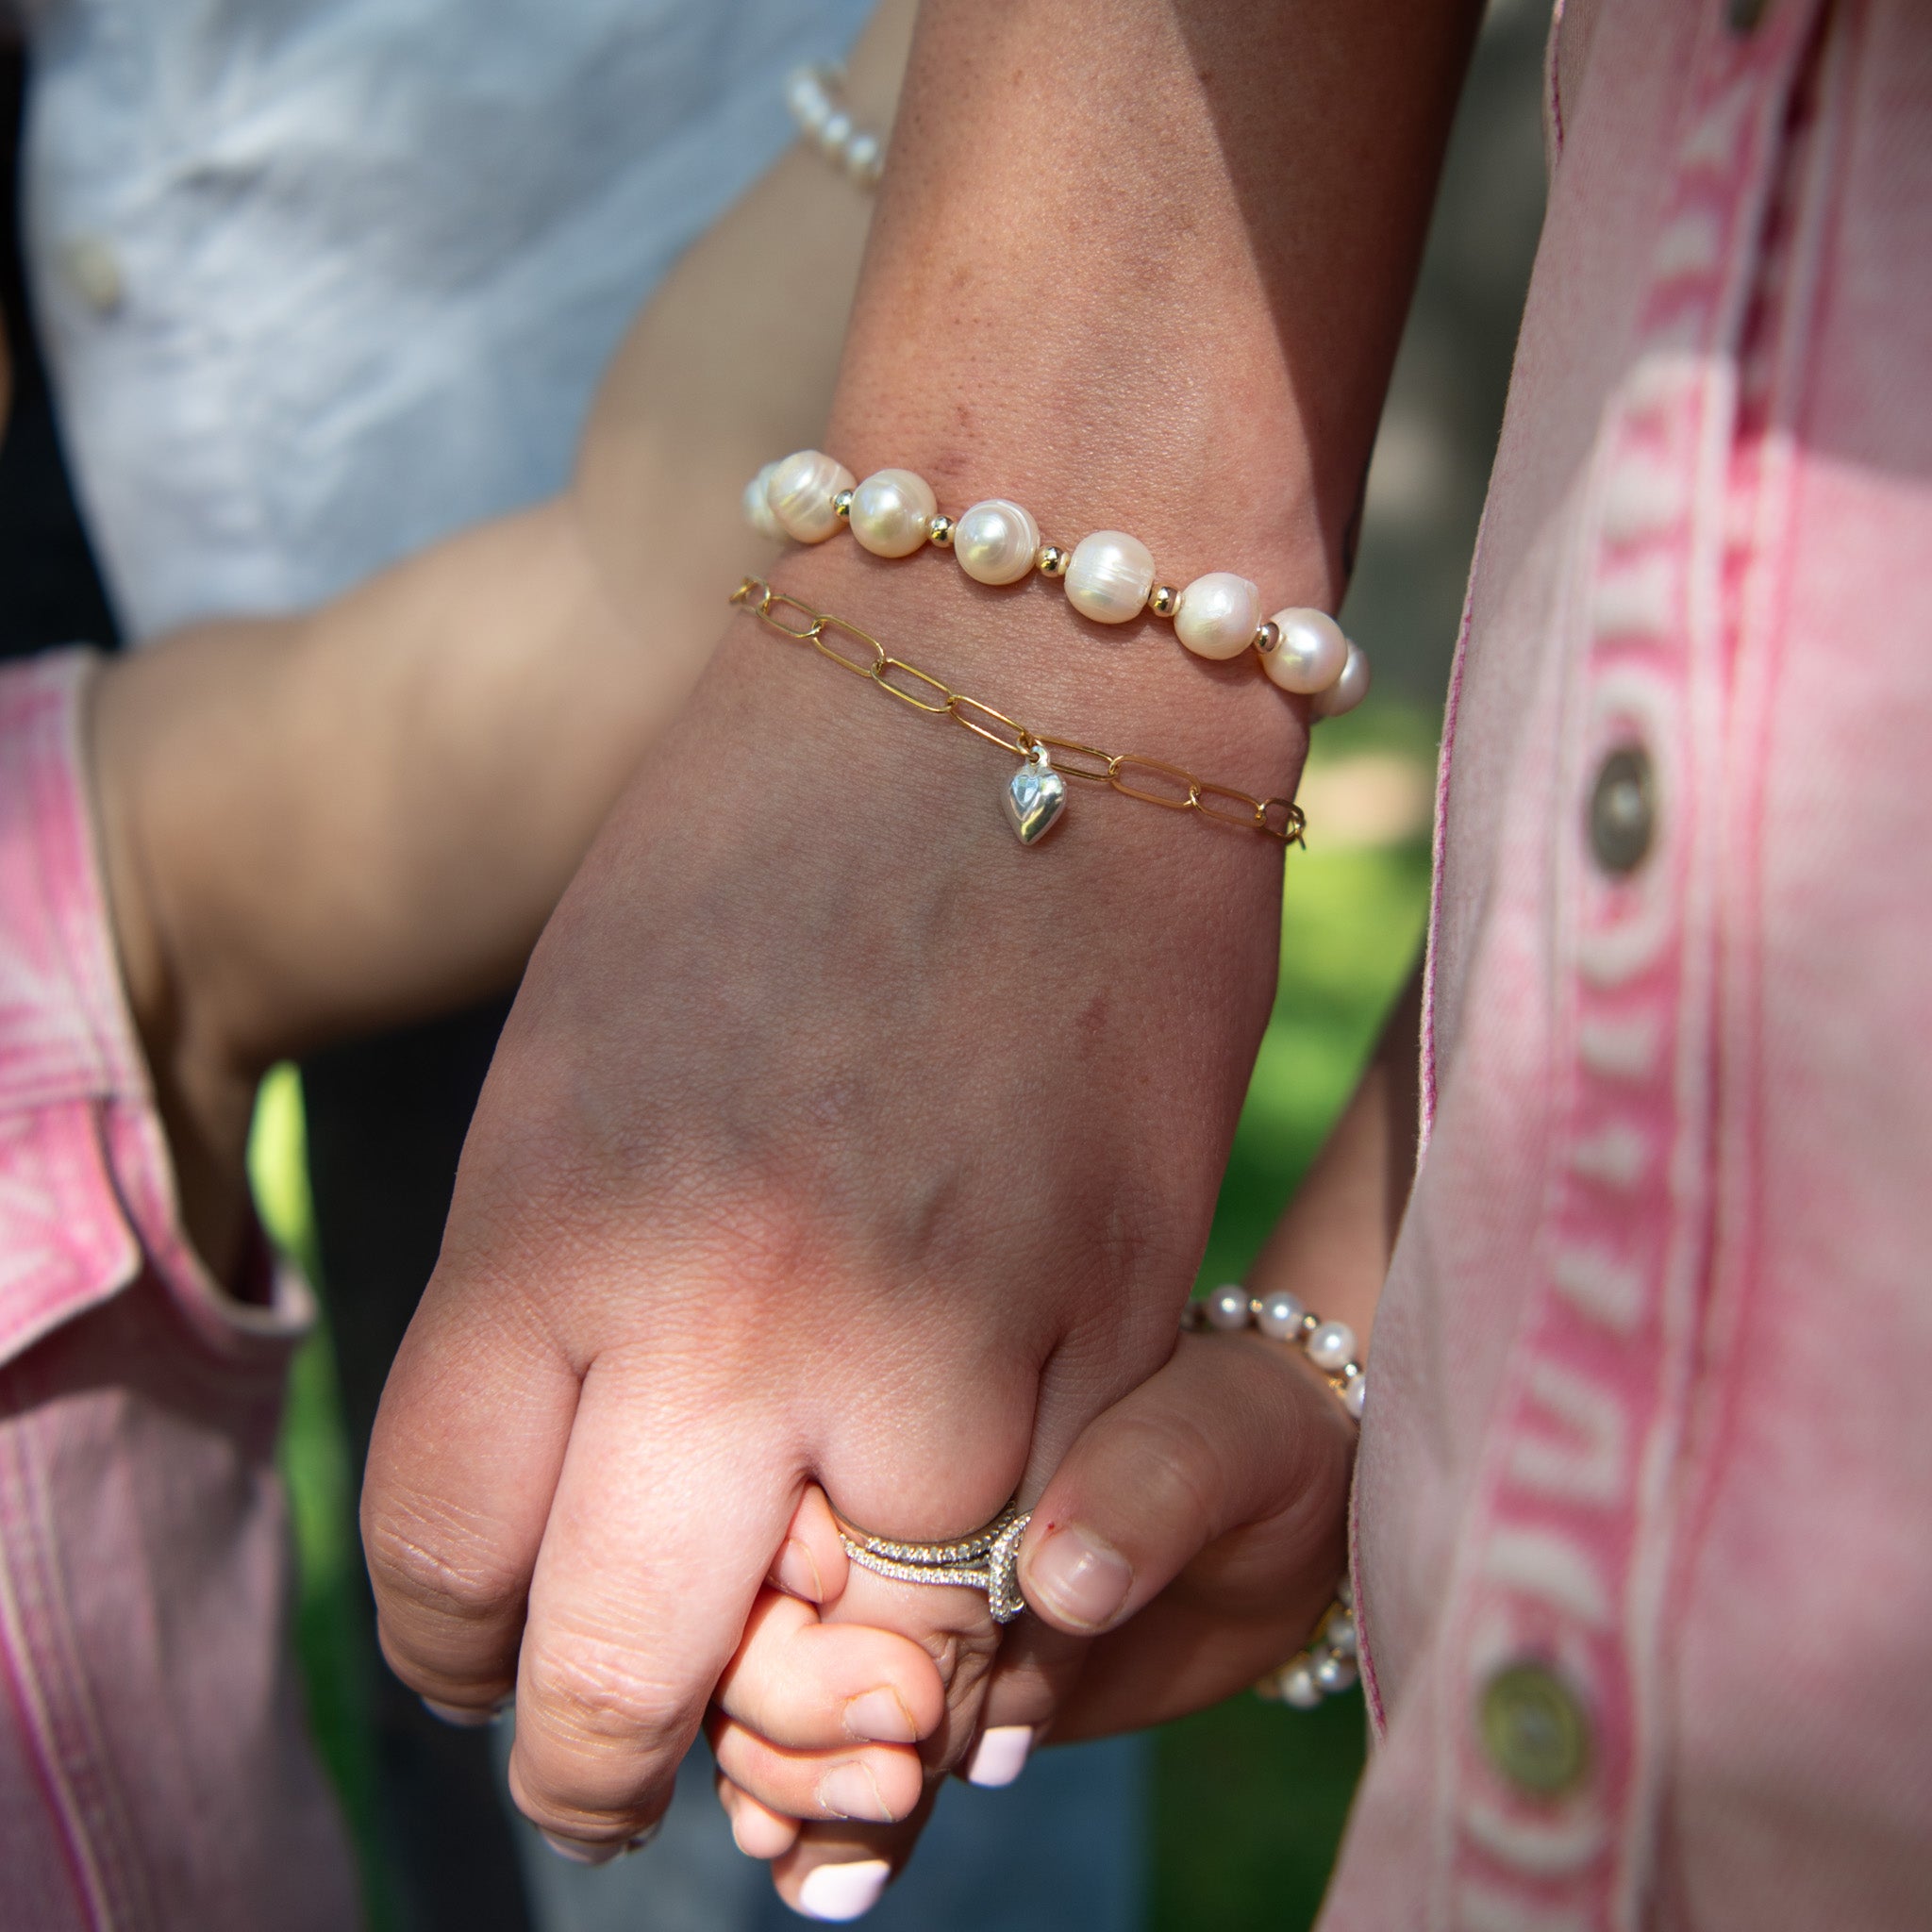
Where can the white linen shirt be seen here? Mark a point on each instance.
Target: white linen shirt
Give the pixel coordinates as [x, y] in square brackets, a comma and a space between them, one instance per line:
[321, 281]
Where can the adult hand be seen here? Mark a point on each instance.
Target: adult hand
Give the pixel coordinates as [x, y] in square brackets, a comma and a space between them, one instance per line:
[835, 1136]
[1185, 1545]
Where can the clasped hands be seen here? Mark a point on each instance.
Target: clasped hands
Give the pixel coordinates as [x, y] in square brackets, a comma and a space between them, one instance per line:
[838, 1148]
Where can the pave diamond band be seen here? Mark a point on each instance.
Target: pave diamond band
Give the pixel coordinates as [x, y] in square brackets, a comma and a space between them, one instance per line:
[988, 1560]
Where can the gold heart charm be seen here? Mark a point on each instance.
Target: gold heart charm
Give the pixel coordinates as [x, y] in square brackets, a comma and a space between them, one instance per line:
[1035, 797]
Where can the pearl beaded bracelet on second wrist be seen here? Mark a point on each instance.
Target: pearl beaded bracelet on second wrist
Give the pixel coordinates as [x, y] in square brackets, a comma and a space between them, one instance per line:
[1327, 1664]
[1108, 576]
[1330, 1345]
[811, 95]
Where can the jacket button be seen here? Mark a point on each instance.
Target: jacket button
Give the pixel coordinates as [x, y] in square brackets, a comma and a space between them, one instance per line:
[1623, 811]
[1534, 1729]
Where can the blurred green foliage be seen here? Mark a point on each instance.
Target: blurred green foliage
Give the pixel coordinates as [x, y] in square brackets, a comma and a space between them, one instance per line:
[1249, 1798]
[314, 1459]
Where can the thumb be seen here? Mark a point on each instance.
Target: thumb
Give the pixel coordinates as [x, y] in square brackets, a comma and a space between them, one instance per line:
[1234, 1432]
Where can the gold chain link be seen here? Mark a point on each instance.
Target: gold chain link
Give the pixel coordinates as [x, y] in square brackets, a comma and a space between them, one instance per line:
[1276, 817]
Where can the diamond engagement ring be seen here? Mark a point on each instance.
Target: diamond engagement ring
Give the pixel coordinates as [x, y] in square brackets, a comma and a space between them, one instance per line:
[988, 1559]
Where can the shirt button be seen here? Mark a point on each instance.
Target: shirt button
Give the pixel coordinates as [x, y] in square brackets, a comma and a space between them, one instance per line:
[94, 271]
[1623, 811]
[1742, 16]
[1534, 1729]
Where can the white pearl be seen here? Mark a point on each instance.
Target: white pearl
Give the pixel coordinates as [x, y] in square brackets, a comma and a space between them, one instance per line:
[1298, 1688]
[837, 130]
[864, 159]
[996, 541]
[1218, 615]
[1355, 1395]
[1331, 1344]
[1110, 576]
[810, 106]
[801, 490]
[1280, 1319]
[1311, 652]
[758, 506]
[892, 512]
[1333, 1673]
[1340, 1635]
[1349, 690]
[1228, 1308]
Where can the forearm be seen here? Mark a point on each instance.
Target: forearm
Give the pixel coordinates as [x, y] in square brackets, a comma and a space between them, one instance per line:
[315, 825]
[1332, 1245]
[326, 822]
[1144, 266]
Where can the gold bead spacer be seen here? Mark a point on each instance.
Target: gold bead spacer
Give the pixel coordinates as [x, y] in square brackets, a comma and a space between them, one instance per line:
[1268, 639]
[1052, 560]
[841, 503]
[941, 530]
[1164, 599]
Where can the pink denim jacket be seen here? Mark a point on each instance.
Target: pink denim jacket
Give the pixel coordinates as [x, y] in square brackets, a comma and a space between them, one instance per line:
[1644, 1506]
[153, 1768]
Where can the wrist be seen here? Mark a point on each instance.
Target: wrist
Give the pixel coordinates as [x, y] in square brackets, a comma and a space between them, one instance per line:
[1024, 650]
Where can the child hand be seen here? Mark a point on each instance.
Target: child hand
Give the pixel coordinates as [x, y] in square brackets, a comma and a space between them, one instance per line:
[1188, 1544]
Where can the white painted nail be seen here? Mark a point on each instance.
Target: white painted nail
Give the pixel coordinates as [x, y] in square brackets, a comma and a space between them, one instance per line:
[838, 1892]
[1000, 1755]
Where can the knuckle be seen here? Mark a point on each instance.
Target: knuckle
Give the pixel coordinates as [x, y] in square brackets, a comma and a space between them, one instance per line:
[427, 1557]
[593, 1694]
[1171, 1465]
[964, 1659]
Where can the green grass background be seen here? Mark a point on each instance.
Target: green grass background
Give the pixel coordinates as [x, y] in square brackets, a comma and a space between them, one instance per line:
[1249, 1798]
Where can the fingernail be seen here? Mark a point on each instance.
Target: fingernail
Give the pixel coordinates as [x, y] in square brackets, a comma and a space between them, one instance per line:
[838, 1892]
[880, 1716]
[1082, 1580]
[580, 1851]
[637, 1840]
[466, 1715]
[796, 1572]
[850, 1791]
[1000, 1755]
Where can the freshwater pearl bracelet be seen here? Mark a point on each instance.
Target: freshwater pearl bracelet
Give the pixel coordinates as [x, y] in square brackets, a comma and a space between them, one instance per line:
[1108, 577]
[1325, 1665]
[812, 95]
[1330, 1345]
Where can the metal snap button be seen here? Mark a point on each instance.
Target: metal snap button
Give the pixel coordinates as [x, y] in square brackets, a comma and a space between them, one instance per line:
[1623, 811]
[1742, 16]
[1534, 1729]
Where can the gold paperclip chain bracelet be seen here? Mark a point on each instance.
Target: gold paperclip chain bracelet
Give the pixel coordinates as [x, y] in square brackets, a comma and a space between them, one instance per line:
[1036, 796]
